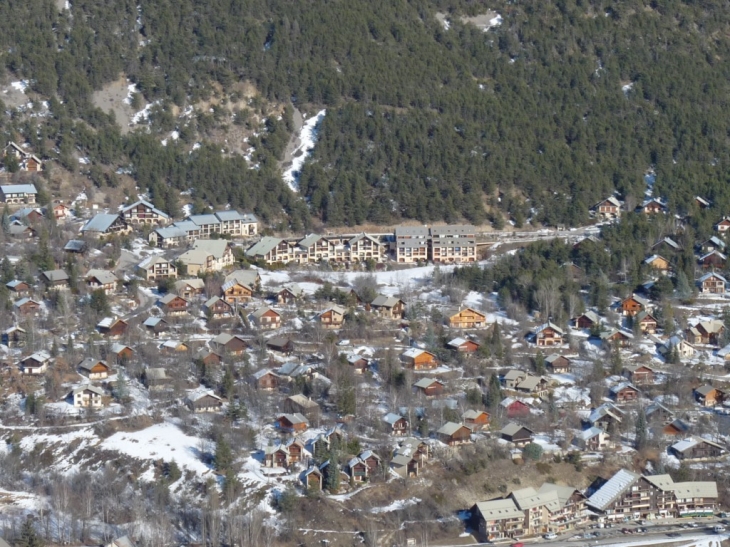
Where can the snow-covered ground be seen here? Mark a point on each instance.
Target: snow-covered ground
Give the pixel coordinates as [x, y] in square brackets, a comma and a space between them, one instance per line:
[307, 138]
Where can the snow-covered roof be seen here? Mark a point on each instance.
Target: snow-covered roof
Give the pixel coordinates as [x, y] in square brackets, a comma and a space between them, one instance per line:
[612, 489]
[391, 418]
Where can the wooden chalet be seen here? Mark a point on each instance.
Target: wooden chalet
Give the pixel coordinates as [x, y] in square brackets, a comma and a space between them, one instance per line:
[658, 263]
[332, 318]
[706, 332]
[653, 206]
[35, 364]
[26, 306]
[208, 358]
[389, 307]
[616, 337]
[453, 434]
[299, 404]
[55, 279]
[429, 387]
[94, 369]
[609, 208]
[462, 345]
[640, 375]
[14, 337]
[281, 344]
[517, 434]
[558, 364]
[357, 470]
[588, 320]
[675, 428]
[292, 423]
[418, 359]
[398, 425]
[156, 325]
[709, 396]
[312, 479]
[217, 308]
[290, 294]
[235, 292]
[514, 408]
[173, 304]
[713, 259]
[632, 305]
[695, 449]
[624, 393]
[111, 327]
[229, 344]
[204, 402]
[266, 318]
[723, 226]
[266, 379]
[120, 353]
[712, 283]
[190, 288]
[467, 318]
[647, 322]
[21, 288]
[102, 280]
[358, 362]
[548, 334]
[276, 456]
[476, 419]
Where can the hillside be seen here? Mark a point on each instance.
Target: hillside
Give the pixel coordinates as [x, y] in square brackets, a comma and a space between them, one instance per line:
[429, 116]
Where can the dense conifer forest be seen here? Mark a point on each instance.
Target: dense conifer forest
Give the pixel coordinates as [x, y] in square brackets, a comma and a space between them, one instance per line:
[540, 117]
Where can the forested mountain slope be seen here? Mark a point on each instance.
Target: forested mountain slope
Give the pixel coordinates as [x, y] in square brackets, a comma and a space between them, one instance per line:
[550, 111]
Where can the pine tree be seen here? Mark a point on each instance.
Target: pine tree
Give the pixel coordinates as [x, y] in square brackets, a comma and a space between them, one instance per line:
[684, 290]
[223, 456]
[121, 391]
[641, 430]
[228, 383]
[494, 392]
[539, 363]
[496, 341]
[28, 535]
[332, 476]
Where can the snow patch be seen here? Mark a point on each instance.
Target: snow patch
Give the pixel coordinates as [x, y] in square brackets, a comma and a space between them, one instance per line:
[21, 86]
[307, 139]
[397, 505]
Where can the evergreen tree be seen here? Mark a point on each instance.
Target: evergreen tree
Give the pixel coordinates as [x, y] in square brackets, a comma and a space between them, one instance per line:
[28, 535]
[684, 289]
[641, 430]
[494, 392]
[223, 456]
[539, 363]
[332, 476]
[228, 383]
[121, 390]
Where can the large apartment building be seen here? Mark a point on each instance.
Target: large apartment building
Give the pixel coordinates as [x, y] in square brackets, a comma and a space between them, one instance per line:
[444, 244]
[231, 223]
[633, 496]
[143, 212]
[411, 244]
[316, 248]
[453, 244]
[527, 511]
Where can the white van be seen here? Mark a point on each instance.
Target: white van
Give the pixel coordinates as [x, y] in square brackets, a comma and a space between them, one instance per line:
[718, 529]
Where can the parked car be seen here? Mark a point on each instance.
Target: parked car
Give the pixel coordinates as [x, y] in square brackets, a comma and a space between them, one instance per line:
[718, 529]
[674, 534]
[550, 535]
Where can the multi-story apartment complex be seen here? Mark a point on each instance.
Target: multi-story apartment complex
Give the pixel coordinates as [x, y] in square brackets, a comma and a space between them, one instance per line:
[411, 244]
[316, 248]
[453, 244]
[633, 496]
[231, 223]
[143, 212]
